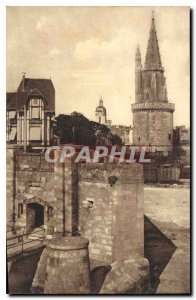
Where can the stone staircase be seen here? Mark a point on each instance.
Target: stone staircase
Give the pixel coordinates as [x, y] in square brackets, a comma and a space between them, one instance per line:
[37, 234]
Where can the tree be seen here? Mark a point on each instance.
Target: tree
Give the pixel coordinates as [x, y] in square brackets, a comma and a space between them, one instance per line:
[116, 140]
[77, 129]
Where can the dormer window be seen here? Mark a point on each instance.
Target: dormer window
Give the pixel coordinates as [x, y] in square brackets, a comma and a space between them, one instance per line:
[35, 113]
[35, 107]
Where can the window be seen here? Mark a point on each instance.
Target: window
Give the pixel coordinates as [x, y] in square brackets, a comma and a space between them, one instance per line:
[35, 133]
[35, 101]
[49, 213]
[20, 209]
[169, 136]
[139, 138]
[35, 108]
[12, 133]
[12, 114]
[35, 113]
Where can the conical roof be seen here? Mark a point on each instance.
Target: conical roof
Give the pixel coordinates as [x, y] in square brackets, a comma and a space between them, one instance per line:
[153, 59]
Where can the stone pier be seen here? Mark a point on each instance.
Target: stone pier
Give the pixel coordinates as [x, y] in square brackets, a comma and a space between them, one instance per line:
[67, 266]
[111, 210]
[65, 191]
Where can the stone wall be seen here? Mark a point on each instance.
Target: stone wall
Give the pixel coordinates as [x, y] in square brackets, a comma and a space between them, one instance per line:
[153, 125]
[108, 211]
[100, 202]
[30, 179]
[10, 187]
[111, 210]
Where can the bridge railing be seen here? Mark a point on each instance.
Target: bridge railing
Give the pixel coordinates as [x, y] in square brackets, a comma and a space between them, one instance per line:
[17, 244]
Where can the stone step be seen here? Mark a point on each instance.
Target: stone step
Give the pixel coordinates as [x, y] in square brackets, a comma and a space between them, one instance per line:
[37, 234]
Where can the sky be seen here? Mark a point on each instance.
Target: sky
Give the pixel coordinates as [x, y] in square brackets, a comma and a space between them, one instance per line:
[89, 52]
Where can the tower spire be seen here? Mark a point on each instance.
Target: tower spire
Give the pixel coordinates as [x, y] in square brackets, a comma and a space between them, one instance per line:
[137, 58]
[101, 101]
[153, 59]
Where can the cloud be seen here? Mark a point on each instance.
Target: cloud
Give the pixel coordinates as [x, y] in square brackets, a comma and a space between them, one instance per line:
[41, 23]
[93, 57]
[117, 53]
[54, 52]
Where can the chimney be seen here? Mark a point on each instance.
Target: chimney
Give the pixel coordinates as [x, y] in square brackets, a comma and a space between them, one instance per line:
[23, 81]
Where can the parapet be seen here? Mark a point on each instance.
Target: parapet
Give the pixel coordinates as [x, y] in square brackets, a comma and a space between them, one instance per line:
[102, 172]
[158, 106]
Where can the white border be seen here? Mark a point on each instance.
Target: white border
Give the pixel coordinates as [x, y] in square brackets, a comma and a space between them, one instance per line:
[3, 5]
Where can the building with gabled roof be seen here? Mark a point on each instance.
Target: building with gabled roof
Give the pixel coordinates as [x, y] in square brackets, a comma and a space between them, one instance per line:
[29, 113]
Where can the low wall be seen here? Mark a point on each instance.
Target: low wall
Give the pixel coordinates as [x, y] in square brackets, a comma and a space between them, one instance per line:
[161, 174]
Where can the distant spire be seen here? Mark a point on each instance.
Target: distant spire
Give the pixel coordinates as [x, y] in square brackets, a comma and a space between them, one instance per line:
[23, 81]
[137, 57]
[138, 54]
[153, 59]
[101, 101]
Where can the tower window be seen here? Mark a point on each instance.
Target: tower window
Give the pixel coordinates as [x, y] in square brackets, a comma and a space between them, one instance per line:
[169, 136]
[139, 138]
[20, 209]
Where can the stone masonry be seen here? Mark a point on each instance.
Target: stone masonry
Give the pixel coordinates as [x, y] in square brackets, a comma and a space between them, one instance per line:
[29, 180]
[111, 210]
[10, 187]
[102, 203]
[152, 112]
[68, 270]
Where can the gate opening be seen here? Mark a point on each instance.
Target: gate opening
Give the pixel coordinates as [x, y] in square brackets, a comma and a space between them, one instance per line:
[35, 216]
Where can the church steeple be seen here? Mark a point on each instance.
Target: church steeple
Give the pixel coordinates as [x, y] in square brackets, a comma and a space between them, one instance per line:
[101, 101]
[153, 59]
[100, 113]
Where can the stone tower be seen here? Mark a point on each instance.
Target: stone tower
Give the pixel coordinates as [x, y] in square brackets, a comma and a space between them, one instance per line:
[100, 113]
[152, 112]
